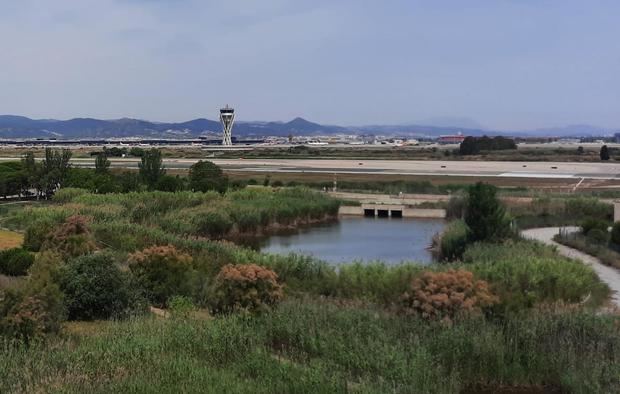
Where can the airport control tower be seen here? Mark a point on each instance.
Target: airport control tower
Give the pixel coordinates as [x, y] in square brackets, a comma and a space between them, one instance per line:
[227, 117]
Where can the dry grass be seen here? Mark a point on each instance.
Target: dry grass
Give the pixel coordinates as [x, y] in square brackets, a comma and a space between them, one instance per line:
[10, 239]
[10, 282]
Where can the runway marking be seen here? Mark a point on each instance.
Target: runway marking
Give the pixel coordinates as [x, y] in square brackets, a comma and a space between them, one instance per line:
[535, 175]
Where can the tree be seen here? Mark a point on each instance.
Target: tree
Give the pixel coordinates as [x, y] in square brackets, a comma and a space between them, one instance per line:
[102, 164]
[485, 215]
[94, 288]
[32, 173]
[169, 183]
[604, 153]
[580, 150]
[151, 168]
[469, 146]
[54, 170]
[205, 176]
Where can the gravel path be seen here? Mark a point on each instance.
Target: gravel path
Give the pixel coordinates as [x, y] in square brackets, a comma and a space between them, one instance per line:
[607, 274]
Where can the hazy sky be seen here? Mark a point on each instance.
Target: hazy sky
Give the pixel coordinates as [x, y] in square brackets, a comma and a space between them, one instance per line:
[508, 64]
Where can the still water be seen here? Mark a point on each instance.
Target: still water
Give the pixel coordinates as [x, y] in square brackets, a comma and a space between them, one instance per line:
[360, 238]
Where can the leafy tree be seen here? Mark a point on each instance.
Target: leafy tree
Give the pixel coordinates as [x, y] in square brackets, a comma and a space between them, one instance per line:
[604, 152]
[94, 288]
[205, 176]
[32, 173]
[169, 183]
[102, 164]
[54, 170]
[136, 152]
[474, 145]
[485, 215]
[151, 168]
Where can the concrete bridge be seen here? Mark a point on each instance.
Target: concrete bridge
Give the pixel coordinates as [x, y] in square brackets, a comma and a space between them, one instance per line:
[391, 210]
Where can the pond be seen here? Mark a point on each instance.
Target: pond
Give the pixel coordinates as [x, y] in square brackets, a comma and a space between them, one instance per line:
[390, 240]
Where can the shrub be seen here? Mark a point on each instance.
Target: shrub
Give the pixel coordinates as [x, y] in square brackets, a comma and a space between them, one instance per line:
[36, 234]
[446, 295]
[453, 241]
[162, 272]
[213, 224]
[590, 224]
[597, 236]
[15, 262]
[485, 215]
[180, 306]
[456, 207]
[72, 238]
[37, 307]
[615, 233]
[588, 207]
[23, 317]
[527, 273]
[94, 288]
[204, 176]
[248, 287]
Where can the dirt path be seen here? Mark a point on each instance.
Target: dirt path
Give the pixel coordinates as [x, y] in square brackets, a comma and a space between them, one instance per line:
[607, 274]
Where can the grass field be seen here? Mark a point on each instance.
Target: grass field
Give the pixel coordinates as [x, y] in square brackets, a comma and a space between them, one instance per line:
[10, 239]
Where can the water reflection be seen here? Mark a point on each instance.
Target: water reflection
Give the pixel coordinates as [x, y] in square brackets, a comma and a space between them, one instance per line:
[358, 238]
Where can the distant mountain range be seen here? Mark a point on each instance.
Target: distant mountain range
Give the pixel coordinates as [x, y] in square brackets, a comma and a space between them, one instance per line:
[12, 126]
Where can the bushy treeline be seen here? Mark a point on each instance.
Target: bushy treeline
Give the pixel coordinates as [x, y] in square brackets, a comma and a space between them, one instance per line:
[43, 178]
[475, 145]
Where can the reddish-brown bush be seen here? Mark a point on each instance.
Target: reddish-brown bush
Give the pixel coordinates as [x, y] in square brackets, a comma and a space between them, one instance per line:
[446, 295]
[26, 316]
[72, 238]
[162, 272]
[248, 287]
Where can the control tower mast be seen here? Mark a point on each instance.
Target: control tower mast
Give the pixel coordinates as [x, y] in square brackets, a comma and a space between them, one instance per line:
[227, 117]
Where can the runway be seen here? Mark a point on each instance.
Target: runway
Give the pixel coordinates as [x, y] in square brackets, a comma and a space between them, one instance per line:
[548, 170]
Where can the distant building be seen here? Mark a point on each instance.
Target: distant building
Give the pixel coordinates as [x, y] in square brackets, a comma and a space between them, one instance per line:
[227, 117]
[450, 139]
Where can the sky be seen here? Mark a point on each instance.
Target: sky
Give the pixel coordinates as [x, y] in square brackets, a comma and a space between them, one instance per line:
[501, 64]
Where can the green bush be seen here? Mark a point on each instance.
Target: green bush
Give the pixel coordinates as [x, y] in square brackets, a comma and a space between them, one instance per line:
[598, 236]
[590, 224]
[36, 308]
[94, 288]
[615, 233]
[456, 207]
[36, 234]
[15, 262]
[526, 273]
[213, 224]
[162, 272]
[589, 208]
[453, 241]
[180, 306]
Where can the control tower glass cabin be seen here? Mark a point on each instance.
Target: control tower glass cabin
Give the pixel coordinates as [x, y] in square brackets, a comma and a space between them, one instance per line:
[227, 117]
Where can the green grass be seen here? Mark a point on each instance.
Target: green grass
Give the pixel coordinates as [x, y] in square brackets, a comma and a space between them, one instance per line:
[311, 346]
[603, 252]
